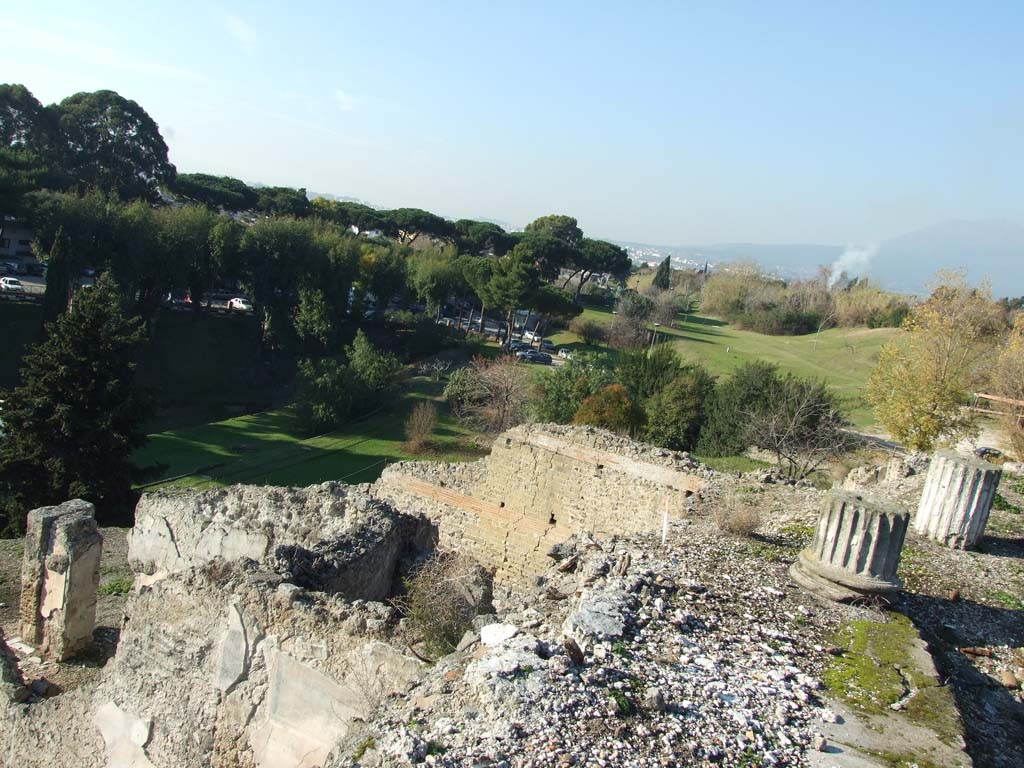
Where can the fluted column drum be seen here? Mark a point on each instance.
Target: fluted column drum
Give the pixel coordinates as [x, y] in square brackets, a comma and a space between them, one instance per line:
[856, 548]
[957, 498]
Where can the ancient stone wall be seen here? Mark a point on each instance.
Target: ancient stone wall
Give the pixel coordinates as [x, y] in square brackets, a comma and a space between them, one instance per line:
[329, 536]
[540, 485]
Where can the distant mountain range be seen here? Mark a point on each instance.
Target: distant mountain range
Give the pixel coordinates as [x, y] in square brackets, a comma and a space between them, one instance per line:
[992, 248]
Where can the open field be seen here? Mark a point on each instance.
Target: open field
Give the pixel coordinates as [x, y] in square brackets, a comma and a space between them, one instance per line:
[842, 357]
[266, 449]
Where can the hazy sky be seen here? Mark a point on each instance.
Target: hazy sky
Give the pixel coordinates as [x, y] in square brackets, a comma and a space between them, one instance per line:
[660, 122]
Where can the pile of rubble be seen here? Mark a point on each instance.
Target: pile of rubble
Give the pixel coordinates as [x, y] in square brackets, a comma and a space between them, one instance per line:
[627, 653]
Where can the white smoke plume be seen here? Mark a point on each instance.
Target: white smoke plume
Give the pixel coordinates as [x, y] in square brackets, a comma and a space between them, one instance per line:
[853, 262]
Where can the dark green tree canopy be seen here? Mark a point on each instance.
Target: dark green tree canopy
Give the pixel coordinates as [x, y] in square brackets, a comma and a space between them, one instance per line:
[24, 123]
[748, 390]
[349, 214]
[110, 142]
[482, 238]
[676, 412]
[595, 257]
[564, 228]
[22, 172]
[412, 222]
[283, 201]
[548, 254]
[217, 191]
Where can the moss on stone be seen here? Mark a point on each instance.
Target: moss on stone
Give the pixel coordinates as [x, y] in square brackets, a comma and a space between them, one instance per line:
[867, 675]
[877, 669]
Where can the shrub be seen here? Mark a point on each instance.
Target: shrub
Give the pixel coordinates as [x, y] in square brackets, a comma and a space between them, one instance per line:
[725, 429]
[376, 371]
[629, 328]
[737, 516]
[627, 333]
[438, 604]
[610, 408]
[324, 400]
[676, 413]
[420, 426]
[801, 424]
[563, 390]
[645, 372]
[459, 390]
[591, 331]
[120, 586]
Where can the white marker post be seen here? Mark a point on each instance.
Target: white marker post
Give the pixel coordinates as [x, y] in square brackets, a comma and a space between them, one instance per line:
[664, 523]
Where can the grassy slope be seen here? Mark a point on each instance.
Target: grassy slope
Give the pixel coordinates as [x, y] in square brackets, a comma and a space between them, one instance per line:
[842, 357]
[265, 448]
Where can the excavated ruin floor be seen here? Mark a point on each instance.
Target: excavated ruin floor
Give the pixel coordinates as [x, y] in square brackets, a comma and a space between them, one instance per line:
[720, 661]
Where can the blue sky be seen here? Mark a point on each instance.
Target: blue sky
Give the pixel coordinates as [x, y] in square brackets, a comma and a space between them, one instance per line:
[674, 123]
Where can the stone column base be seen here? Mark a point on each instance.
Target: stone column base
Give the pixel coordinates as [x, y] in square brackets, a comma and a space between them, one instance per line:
[837, 584]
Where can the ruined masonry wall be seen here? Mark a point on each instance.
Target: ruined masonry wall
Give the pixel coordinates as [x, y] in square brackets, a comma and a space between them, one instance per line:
[175, 531]
[539, 486]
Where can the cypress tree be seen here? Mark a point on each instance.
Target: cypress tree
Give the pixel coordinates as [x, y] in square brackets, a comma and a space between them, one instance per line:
[70, 428]
[663, 277]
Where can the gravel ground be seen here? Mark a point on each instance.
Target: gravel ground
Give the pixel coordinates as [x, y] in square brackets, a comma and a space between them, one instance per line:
[715, 664]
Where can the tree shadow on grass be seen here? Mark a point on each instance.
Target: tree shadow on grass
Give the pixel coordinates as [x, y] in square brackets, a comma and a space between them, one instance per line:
[692, 339]
[709, 321]
[993, 716]
[688, 328]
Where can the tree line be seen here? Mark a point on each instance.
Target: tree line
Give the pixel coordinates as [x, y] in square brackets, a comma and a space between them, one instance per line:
[91, 174]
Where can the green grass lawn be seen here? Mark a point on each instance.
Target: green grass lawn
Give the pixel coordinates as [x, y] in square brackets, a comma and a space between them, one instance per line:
[842, 357]
[266, 449]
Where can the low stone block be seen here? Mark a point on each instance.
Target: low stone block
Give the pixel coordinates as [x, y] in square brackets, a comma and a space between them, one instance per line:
[59, 577]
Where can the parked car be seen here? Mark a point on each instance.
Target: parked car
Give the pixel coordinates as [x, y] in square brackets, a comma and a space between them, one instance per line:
[11, 285]
[546, 344]
[239, 304]
[565, 353]
[987, 453]
[36, 269]
[533, 356]
[531, 335]
[9, 267]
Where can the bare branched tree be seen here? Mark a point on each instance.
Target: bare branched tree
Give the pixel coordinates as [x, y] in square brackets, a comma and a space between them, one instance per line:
[435, 368]
[801, 425]
[495, 394]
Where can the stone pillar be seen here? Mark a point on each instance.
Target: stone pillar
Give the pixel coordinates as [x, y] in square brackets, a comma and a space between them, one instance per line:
[856, 548]
[59, 574]
[957, 497]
